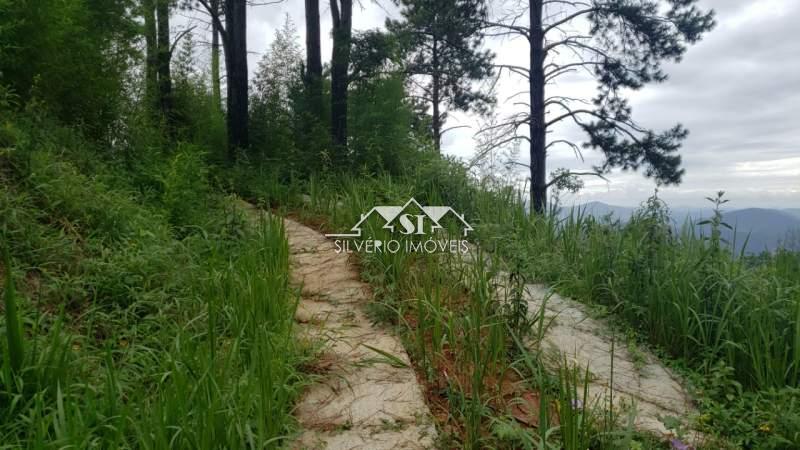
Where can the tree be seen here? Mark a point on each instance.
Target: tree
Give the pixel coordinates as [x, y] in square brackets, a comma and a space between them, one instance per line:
[623, 47]
[374, 54]
[151, 53]
[277, 76]
[342, 14]
[443, 39]
[72, 58]
[313, 72]
[163, 56]
[216, 91]
[280, 67]
[234, 38]
[234, 44]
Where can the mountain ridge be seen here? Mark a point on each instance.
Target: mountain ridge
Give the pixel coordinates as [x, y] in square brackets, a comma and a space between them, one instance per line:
[754, 228]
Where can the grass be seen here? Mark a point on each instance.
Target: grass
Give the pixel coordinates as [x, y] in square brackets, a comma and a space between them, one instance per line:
[730, 322]
[152, 315]
[457, 329]
[140, 310]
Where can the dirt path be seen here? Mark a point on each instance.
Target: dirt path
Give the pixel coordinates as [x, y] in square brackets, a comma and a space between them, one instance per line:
[365, 399]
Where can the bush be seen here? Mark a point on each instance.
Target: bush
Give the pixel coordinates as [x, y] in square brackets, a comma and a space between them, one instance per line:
[185, 187]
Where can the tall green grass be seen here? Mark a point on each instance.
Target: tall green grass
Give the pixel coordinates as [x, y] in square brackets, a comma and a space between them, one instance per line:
[685, 292]
[151, 314]
[16, 353]
[457, 327]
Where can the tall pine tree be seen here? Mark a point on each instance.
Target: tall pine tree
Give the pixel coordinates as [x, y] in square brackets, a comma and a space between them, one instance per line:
[443, 42]
[342, 16]
[622, 45]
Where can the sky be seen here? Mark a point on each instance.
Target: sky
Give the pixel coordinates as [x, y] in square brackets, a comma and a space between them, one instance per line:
[737, 91]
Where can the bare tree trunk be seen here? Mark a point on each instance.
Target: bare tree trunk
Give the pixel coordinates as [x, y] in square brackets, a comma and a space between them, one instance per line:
[340, 59]
[236, 66]
[151, 55]
[164, 76]
[537, 120]
[313, 57]
[437, 120]
[216, 91]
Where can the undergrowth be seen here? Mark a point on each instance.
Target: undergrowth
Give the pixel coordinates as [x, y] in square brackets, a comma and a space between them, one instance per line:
[729, 321]
[141, 310]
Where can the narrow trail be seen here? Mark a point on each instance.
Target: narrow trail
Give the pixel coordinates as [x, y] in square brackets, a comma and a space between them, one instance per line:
[365, 400]
[635, 381]
[640, 381]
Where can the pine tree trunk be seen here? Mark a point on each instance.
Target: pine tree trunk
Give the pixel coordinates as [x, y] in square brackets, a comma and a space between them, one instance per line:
[164, 76]
[151, 55]
[340, 59]
[435, 97]
[236, 66]
[313, 58]
[216, 91]
[537, 114]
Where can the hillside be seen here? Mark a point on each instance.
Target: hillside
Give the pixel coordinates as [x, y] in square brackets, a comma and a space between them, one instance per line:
[252, 225]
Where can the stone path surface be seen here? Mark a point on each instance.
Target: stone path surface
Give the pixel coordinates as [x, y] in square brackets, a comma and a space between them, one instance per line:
[365, 399]
[639, 380]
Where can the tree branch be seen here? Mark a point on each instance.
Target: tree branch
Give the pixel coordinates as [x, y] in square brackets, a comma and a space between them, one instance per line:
[452, 128]
[520, 30]
[569, 174]
[215, 18]
[568, 18]
[178, 39]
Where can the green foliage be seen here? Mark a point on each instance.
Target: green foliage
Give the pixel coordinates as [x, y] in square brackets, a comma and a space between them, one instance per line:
[16, 353]
[70, 56]
[373, 54]
[196, 117]
[441, 40]
[185, 189]
[271, 115]
[152, 315]
[379, 121]
[764, 419]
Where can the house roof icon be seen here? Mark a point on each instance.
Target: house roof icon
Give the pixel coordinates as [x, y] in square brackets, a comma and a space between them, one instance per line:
[390, 213]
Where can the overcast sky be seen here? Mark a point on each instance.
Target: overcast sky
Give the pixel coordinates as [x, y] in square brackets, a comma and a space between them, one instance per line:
[737, 91]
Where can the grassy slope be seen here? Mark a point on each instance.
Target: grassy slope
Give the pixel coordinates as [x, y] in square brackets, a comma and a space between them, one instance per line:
[151, 315]
[733, 324]
[137, 289]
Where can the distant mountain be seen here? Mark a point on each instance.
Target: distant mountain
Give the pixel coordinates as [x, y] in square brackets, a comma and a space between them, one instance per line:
[761, 228]
[624, 213]
[764, 229]
[793, 211]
